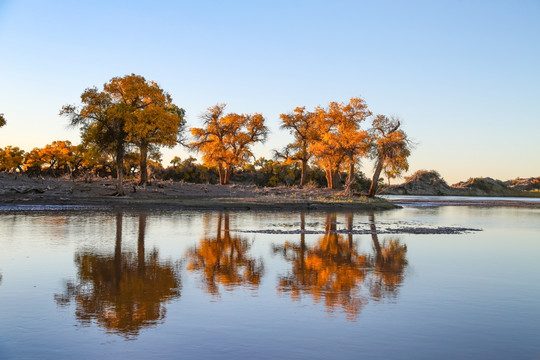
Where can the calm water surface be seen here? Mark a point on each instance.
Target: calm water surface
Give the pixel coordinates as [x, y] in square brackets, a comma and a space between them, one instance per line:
[87, 284]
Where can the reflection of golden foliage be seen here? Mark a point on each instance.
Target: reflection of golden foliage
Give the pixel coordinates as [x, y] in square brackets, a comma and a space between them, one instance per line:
[124, 292]
[333, 271]
[390, 264]
[224, 259]
[124, 297]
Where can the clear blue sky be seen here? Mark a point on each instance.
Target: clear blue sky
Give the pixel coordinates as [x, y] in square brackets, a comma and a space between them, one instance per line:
[463, 75]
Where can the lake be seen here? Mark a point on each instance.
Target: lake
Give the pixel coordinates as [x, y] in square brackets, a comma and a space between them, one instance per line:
[421, 282]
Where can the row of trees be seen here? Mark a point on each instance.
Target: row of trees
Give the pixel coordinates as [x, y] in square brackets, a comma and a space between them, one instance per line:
[331, 136]
[132, 117]
[61, 158]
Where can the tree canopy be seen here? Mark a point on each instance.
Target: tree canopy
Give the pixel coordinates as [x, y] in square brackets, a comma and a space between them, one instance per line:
[340, 140]
[301, 124]
[130, 109]
[226, 140]
[390, 147]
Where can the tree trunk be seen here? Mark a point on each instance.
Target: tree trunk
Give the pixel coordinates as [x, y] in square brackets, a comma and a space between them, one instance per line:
[143, 166]
[120, 169]
[335, 178]
[375, 180]
[329, 178]
[350, 178]
[228, 171]
[303, 173]
[221, 173]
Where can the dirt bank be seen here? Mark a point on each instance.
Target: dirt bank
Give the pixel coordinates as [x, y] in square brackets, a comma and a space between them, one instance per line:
[18, 191]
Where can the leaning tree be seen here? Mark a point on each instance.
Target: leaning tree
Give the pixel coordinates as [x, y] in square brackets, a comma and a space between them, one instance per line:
[390, 147]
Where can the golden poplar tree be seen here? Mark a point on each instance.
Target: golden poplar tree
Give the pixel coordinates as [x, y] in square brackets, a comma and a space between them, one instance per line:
[301, 125]
[11, 159]
[225, 140]
[153, 119]
[341, 140]
[130, 109]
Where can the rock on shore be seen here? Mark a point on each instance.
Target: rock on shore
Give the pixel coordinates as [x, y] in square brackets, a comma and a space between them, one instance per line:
[425, 182]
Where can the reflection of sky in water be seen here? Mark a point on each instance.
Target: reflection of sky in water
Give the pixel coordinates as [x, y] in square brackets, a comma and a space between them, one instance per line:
[467, 295]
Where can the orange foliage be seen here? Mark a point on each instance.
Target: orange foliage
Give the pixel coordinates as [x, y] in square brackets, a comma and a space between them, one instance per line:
[333, 271]
[340, 138]
[11, 159]
[301, 124]
[224, 259]
[226, 140]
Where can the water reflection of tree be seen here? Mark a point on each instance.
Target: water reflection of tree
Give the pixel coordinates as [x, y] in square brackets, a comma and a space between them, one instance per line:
[124, 292]
[224, 259]
[333, 271]
[390, 263]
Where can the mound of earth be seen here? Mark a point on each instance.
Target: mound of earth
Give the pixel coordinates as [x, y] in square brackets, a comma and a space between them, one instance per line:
[528, 184]
[423, 183]
[484, 187]
[18, 190]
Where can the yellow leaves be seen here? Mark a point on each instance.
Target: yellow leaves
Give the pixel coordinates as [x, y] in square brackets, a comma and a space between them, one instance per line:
[224, 259]
[11, 158]
[226, 140]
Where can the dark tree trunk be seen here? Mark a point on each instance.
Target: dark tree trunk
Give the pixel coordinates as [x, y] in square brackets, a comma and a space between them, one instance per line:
[375, 180]
[228, 171]
[118, 252]
[140, 244]
[302, 242]
[303, 173]
[374, 235]
[350, 236]
[120, 169]
[350, 178]
[143, 166]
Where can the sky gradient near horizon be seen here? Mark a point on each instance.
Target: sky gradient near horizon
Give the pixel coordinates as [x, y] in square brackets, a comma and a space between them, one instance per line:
[464, 76]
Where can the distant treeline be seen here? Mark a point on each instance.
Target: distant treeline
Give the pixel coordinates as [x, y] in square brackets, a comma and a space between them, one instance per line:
[124, 125]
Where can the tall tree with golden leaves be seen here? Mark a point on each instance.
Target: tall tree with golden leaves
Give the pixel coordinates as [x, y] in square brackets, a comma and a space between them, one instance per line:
[340, 140]
[130, 109]
[11, 159]
[153, 119]
[226, 140]
[301, 125]
[390, 147]
[2, 120]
